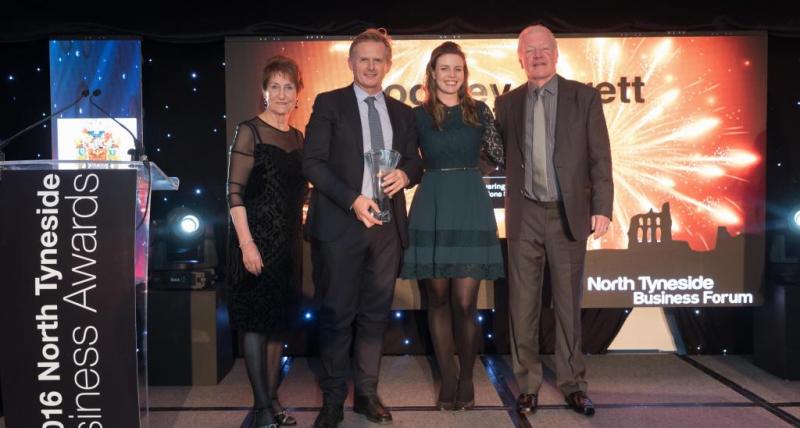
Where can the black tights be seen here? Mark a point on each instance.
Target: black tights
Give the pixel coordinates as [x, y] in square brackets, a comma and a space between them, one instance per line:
[263, 370]
[452, 313]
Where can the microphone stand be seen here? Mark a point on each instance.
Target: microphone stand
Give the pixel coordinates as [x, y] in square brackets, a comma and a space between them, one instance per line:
[137, 153]
[7, 141]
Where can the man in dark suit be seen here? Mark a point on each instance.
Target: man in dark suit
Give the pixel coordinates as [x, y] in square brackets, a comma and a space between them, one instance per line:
[559, 190]
[356, 257]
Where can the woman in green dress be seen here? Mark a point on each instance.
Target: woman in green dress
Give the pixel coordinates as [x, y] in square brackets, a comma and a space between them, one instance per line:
[452, 229]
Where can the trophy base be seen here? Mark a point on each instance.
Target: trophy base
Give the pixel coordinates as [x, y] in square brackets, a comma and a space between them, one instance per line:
[383, 216]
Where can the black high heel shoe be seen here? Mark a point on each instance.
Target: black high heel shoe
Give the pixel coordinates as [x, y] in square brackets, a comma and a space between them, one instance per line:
[465, 397]
[257, 412]
[447, 395]
[282, 418]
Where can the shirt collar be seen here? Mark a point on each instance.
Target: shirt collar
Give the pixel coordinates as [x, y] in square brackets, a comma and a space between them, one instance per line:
[361, 94]
[551, 87]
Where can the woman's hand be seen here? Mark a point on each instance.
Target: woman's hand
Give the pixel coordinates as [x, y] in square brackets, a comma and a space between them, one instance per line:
[252, 258]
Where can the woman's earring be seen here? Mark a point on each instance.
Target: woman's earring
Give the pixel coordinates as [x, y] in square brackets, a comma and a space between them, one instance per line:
[266, 102]
[296, 104]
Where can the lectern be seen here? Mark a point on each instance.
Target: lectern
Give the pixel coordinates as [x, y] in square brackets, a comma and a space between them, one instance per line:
[73, 316]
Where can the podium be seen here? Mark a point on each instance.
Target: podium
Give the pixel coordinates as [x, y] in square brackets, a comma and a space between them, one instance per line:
[73, 314]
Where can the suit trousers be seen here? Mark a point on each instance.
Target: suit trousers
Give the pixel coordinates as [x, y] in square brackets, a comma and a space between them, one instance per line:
[544, 238]
[355, 275]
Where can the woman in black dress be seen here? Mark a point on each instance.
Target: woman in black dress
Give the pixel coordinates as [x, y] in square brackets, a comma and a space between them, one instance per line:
[266, 189]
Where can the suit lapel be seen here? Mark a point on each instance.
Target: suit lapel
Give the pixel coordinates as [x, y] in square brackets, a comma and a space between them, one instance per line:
[564, 112]
[519, 107]
[353, 117]
[390, 107]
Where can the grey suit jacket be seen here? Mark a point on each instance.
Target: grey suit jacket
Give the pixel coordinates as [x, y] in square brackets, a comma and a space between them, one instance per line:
[582, 155]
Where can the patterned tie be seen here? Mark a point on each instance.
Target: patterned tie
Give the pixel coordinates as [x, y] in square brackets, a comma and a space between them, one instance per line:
[375, 130]
[539, 148]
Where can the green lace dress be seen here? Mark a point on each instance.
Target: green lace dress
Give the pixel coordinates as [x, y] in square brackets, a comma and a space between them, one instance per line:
[452, 228]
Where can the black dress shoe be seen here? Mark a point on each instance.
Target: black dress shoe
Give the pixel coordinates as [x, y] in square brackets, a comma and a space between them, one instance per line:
[373, 409]
[329, 416]
[526, 403]
[579, 402]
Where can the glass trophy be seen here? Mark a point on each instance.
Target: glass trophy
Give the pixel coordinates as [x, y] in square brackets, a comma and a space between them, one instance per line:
[380, 163]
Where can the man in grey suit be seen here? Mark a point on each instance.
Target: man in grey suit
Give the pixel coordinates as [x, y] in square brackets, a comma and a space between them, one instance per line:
[559, 190]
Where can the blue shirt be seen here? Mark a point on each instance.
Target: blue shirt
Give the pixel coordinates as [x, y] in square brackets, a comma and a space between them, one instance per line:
[386, 128]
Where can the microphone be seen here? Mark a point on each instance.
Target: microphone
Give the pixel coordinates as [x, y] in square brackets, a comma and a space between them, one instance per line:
[7, 141]
[137, 153]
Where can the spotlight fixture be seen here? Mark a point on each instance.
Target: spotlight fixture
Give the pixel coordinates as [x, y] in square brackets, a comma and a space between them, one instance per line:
[796, 220]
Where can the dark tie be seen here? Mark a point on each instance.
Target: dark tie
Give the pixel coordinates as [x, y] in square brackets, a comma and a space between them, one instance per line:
[539, 148]
[375, 130]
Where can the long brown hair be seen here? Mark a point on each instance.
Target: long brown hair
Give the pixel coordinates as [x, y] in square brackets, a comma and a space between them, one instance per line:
[432, 105]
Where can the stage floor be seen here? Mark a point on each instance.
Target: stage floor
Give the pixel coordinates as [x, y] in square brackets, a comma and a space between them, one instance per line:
[629, 390]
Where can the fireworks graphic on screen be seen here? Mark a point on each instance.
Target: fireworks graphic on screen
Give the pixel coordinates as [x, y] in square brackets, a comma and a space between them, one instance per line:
[686, 142]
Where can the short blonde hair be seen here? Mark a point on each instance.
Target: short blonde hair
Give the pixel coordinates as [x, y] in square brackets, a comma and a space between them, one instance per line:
[379, 35]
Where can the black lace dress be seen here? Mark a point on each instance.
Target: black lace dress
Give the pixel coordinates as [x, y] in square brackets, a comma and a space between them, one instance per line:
[265, 176]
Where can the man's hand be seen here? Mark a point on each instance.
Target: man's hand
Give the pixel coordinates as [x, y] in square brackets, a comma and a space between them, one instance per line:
[394, 182]
[600, 225]
[362, 207]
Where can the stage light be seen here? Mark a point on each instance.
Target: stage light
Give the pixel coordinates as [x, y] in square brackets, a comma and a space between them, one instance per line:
[480, 318]
[308, 316]
[489, 336]
[697, 311]
[398, 314]
[407, 342]
[796, 219]
[183, 242]
[185, 224]
[190, 224]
